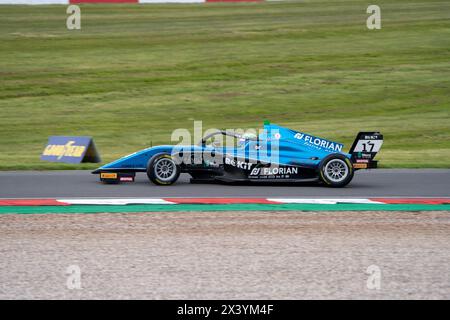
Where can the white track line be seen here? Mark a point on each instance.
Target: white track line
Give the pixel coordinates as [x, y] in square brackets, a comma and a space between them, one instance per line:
[115, 201]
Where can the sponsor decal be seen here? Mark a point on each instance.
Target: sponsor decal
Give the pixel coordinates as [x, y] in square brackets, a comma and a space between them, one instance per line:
[360, 165]
[371, 137]
[108, 175]
[214, 164]
[70, 150]
[319, 142]
[238, 164]
[126, 179]
[273, 172]
[67, 150]
[279, 170]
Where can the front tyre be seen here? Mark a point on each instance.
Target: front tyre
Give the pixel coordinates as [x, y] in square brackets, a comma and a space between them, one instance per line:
[336, 171]
[162, 169]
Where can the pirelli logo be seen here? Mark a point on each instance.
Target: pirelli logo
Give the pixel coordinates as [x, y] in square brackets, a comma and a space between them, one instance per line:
[108, 175]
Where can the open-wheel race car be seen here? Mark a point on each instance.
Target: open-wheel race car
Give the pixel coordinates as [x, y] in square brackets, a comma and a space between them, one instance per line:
[275, 155]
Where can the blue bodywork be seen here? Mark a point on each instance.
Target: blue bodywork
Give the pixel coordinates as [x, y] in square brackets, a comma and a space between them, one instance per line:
[275, 145]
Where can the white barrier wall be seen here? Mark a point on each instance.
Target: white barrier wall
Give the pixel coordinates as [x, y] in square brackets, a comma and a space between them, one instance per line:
[34, 1]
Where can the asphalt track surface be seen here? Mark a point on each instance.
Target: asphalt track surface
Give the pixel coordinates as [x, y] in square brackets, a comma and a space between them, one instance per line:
[366, 183]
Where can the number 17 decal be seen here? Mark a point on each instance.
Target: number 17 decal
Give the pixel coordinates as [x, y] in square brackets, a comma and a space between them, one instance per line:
[371, 146]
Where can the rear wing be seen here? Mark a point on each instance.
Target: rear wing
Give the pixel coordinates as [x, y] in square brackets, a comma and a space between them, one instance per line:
[364, 149]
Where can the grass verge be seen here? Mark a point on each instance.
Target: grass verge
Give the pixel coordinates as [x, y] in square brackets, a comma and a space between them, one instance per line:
[134, 73]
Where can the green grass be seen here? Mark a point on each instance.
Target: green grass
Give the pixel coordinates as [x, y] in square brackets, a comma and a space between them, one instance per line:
[134, 73]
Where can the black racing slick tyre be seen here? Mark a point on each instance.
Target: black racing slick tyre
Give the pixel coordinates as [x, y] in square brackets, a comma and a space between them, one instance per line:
[162, 169]
[336, 171]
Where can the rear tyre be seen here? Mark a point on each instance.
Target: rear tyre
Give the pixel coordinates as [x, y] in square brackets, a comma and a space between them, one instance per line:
[162, 170]
[336, 171]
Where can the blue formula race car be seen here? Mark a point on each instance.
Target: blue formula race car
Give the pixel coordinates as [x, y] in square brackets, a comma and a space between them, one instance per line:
[275, 155]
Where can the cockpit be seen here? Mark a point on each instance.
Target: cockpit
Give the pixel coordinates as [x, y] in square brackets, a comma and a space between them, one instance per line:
[227, 139]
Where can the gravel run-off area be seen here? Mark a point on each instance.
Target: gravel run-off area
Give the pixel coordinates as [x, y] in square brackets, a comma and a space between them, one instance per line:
[226, 255]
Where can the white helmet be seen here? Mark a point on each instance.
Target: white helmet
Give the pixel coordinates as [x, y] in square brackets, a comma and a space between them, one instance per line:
[246, 136]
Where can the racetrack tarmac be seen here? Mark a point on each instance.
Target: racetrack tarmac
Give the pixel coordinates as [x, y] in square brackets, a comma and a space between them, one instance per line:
[366, 183]
[227, 255]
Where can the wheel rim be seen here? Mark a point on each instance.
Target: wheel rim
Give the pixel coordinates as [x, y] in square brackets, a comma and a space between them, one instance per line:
[165, 169]
[336, 170]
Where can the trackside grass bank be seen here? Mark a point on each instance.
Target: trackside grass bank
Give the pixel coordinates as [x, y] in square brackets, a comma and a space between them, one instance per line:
[134, 73]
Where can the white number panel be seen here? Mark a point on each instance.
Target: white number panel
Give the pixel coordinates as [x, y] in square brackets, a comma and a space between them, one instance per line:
[368, 146]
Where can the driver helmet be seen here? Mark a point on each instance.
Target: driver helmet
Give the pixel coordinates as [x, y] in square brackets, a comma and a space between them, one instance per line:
[246, 136]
